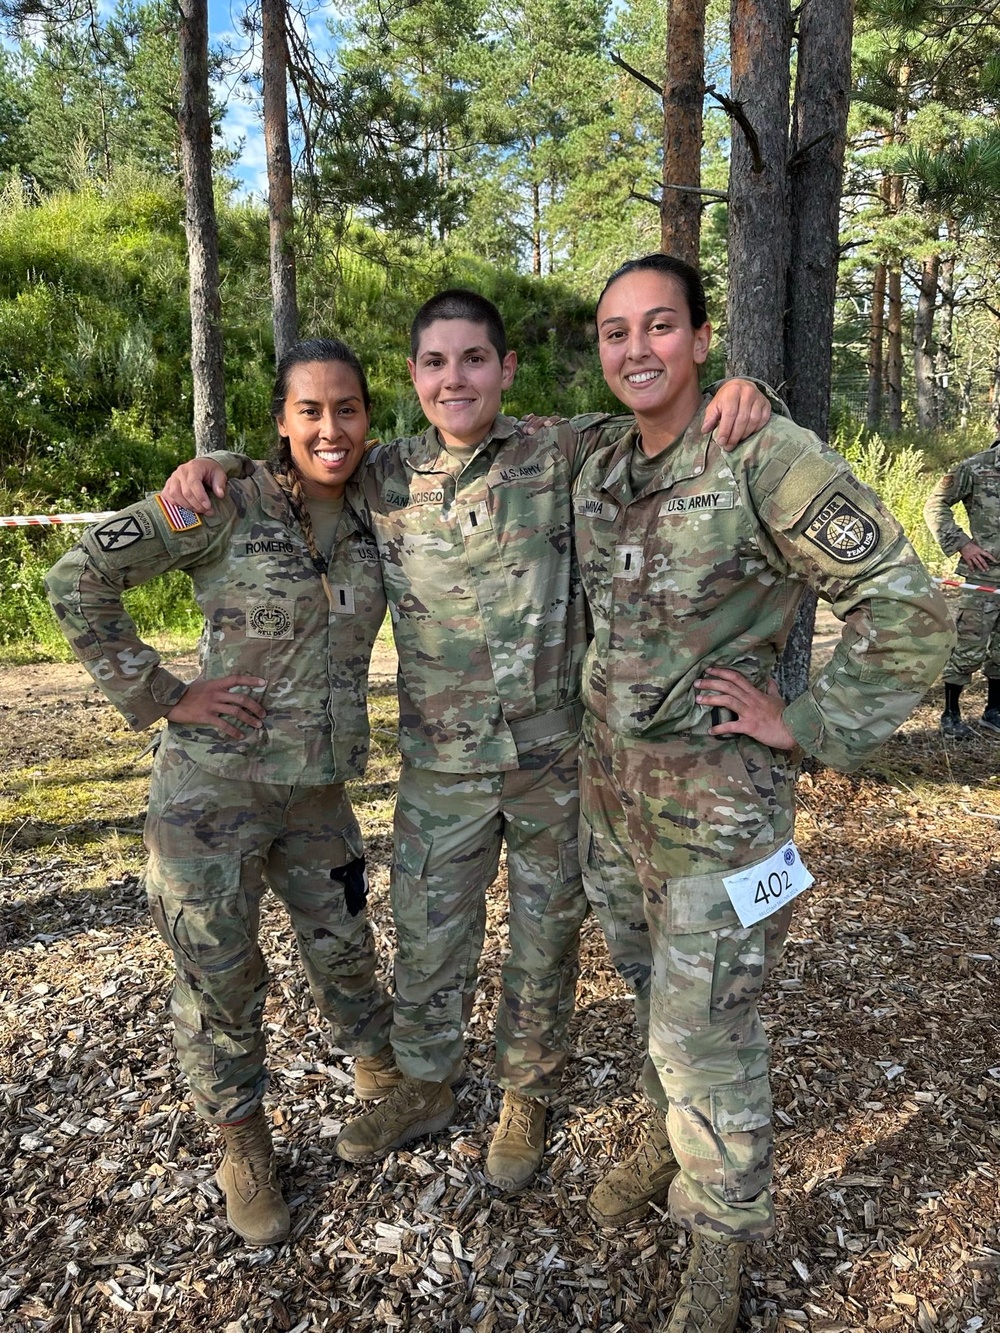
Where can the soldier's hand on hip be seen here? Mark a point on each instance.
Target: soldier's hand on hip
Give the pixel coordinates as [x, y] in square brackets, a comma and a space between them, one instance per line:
[209, 703]
[758, 714]
[738, 409]
[976, 556]
[193, 484]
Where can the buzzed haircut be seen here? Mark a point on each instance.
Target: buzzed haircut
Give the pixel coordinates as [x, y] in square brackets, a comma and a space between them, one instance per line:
[459, 303]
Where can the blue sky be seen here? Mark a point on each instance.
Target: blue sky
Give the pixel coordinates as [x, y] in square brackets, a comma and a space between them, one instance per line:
[242, 116]
[242, 110]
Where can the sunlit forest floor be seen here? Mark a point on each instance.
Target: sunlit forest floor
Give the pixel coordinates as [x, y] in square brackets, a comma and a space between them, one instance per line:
[886, 1073]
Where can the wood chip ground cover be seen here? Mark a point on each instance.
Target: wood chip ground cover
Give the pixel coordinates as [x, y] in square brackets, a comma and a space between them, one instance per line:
[886, 1073]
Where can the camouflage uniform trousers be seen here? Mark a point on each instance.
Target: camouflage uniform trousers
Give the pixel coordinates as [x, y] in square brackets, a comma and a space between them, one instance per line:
[661, 824]
[448, 834]
[214, 844]
[978, 646]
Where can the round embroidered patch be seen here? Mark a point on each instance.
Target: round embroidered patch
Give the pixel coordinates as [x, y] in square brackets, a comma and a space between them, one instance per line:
[843, 531]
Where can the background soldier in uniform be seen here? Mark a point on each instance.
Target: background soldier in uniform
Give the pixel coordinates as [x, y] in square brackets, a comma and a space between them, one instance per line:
[693, 563]
[474, 528]
[975, 482]
[248, 782]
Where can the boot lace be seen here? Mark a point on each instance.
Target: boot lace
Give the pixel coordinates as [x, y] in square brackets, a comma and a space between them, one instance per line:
[515, 1118]
[711, 1282]
[250, 1147]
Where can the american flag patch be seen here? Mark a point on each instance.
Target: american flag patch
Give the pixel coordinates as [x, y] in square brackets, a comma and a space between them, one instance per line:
[179, 518]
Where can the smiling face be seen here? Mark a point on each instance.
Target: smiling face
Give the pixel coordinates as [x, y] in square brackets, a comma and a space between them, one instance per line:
[650, 353]
[459, 379]
[326, 422]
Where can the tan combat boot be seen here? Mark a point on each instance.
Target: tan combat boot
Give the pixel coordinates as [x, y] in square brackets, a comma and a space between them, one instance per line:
[411, 1109]
[630, 1187]
[709, 1299]
[518, 1143]
[375, 1076]
[248, 1178]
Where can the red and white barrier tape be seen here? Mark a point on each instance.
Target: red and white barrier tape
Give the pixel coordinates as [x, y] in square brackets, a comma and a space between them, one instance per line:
[47, 520]
[971, 587]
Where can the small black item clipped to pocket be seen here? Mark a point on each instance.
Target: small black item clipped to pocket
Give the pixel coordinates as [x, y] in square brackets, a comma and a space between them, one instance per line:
[720, 715]
[354, 878]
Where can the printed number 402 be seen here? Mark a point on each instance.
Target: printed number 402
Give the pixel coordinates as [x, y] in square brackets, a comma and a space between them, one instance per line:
[778, 882]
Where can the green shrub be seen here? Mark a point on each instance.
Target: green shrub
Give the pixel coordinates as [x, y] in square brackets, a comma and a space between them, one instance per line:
[898, 475]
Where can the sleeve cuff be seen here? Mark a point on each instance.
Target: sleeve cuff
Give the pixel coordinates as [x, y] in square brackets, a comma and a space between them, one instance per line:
[164, 689]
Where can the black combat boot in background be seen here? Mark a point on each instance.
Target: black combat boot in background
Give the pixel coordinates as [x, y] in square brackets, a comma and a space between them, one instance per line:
[952, 725]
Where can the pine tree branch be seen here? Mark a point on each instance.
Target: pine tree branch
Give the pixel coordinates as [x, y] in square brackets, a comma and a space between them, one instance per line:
[696, 189]
[736, 112]
[800, 154]
[629, 69]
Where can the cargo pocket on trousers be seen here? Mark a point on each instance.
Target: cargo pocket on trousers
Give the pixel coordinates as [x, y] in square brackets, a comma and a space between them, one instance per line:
[741, 1118]
[687, 922]
[200, 909]
[411, 851]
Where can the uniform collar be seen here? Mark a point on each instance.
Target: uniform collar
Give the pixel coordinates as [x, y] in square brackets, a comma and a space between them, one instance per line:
[273, 500]
[684, 459]
[430, 455]
[274, 503]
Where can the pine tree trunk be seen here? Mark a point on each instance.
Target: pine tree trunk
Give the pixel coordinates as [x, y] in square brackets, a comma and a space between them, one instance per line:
[876, 334]
[201, 230]
[894, 353]
[759, 44]
[815, 180]
[285, 311]
[536, 229]
[894, 188]
[683, 98]
[923, 342]
[942, 361]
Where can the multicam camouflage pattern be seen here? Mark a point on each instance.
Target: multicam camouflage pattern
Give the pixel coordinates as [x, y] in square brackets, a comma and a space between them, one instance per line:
[488, 616]
[661, 824]
[266, 614]
[482, 583]
[706, 567]
[229, 817]
[978, 645]
[448, 833]
[975, 482]
[214, 844]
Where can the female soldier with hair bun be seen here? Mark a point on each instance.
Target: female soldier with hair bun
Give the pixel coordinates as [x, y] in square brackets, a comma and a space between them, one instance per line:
[248, 783]
[694, 561]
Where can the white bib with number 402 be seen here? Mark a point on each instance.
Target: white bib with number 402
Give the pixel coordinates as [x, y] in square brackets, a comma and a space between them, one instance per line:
[757, 891]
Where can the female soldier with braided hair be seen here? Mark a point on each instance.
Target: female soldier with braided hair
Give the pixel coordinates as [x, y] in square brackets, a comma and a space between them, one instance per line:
[248, 783]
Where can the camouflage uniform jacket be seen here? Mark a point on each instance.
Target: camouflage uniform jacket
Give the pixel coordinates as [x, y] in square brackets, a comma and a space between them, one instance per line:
[483, 586]
[705, 567]
[975, 482]
[266, 614]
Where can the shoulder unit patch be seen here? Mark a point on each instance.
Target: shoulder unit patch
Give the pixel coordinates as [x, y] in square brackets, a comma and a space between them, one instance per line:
[123, 531]
[178, 518]
[843, 531]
